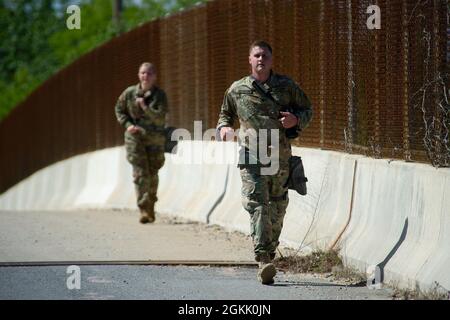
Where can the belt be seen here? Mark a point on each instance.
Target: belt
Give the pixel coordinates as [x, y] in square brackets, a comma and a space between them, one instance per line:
[154, 148]
[151, 127]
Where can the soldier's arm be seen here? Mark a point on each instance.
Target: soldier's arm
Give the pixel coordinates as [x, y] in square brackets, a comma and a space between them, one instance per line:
[302, 107]
[227, 113]
[121, 111]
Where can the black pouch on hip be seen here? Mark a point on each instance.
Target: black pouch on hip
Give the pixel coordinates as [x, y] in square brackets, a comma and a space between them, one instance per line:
[297, 179]
[171, 145]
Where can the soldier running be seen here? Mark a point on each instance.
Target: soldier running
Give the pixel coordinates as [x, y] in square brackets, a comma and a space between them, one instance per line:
[141, 109]
[258, 101]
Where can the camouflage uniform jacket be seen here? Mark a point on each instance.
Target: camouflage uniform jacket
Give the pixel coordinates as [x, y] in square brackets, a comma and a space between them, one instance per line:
[256, 111]
[152, 118]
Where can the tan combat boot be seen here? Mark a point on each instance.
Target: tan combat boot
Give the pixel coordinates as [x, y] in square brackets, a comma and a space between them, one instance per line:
[266, 271]
[147, 217]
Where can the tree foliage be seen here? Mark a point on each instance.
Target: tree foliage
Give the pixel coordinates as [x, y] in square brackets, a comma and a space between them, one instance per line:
[35, 42]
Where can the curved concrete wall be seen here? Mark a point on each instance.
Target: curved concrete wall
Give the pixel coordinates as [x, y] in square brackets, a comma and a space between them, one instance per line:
[390, 214]
[193, 180]
[401, 222]
[316, 220]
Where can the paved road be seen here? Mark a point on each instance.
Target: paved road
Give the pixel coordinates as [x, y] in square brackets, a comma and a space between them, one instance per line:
[170, 282]
[108, 235]
[117, 236]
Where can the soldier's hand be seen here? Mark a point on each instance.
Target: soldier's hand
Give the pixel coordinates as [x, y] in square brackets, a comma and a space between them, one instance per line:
[288, 120]
[133, 129]
[226, 133]
[141, 103]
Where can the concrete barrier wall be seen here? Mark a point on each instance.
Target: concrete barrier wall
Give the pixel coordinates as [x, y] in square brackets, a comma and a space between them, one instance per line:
[314, 221]
[84, 181]
[194, 180]
[311, 222]
[393, 215]
[400, 222]
[229, 213]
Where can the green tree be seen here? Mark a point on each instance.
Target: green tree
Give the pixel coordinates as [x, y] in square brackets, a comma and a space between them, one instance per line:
[26, 56]
[35, 42]
[96, 28]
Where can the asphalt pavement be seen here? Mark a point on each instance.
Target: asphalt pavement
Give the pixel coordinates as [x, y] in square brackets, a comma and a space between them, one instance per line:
[105, 246]
[170, 283]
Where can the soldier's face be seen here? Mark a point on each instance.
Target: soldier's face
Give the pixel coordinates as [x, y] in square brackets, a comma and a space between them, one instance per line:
[147, 76]
[260, 59]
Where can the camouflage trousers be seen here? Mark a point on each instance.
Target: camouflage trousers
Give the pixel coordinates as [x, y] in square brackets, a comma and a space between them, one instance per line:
[146, 160]
[265, 198]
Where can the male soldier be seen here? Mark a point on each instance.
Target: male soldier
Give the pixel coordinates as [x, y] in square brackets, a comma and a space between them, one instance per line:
[142, 110]
[258, 102]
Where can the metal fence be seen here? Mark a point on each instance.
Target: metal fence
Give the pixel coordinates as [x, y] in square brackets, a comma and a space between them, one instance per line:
[383, 93]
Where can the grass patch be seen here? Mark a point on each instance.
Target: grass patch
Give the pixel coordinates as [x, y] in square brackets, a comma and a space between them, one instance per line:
[437, 292]
[327, 263]
[330, 264]
[315, 262]
[350, 275]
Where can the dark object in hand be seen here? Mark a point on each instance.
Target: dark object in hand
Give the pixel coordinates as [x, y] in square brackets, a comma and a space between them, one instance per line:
[291, 133]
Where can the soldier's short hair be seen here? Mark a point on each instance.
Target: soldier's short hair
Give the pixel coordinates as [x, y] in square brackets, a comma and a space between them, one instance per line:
[150, 66]
[261, 44]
